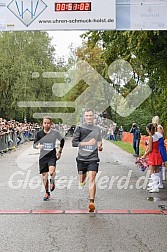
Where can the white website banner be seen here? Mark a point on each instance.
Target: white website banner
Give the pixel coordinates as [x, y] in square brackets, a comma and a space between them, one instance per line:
[60, 14]
[83, 15]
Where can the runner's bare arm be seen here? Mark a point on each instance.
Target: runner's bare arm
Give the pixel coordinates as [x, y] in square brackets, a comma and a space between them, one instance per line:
[60, 148]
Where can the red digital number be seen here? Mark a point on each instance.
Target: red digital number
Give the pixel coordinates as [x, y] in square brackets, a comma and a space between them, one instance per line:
[87, 6]
[69, 7]
[58, 7]
[82, 6]
[63, 7]
[75, 7]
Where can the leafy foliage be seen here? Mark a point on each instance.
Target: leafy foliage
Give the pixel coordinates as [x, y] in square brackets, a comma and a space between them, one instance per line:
[23, 53]
[146, 51]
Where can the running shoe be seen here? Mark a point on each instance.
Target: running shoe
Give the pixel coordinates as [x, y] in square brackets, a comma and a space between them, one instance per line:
[52, 186]
[91, 207]
[83, 183]
[47, 196]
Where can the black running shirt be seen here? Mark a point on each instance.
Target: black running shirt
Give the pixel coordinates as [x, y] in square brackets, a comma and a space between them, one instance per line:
[48, 141]
[84, 133]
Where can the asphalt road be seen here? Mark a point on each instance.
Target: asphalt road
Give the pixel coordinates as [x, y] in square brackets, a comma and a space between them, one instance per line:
[118, 188]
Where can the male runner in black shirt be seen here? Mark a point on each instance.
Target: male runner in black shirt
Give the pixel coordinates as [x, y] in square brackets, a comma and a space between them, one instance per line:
[89, 140]
[45, 141]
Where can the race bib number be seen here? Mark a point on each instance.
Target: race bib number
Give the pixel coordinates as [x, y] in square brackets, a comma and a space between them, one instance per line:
[48, 146]
[89, 148]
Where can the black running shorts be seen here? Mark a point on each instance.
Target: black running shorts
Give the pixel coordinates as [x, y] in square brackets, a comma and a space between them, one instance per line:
[86, 166]
[44, 164]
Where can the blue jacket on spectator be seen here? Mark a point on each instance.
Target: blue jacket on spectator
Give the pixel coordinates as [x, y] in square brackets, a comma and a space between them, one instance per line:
[136, 132]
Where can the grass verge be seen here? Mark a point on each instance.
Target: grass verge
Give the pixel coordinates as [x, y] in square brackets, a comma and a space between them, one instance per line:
[127, 147]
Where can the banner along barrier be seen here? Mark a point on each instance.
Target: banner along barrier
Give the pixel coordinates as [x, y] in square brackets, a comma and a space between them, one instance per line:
[128, 137]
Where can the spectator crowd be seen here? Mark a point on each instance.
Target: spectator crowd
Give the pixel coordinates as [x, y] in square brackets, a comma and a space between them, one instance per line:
[13, 133]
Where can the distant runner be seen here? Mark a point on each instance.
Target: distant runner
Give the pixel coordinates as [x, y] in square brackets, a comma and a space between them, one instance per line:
[45, 141]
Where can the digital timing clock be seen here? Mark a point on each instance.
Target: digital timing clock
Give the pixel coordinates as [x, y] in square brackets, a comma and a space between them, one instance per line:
[82, 6]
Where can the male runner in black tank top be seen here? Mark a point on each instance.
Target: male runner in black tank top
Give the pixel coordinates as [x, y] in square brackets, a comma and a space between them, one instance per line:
[45, 141]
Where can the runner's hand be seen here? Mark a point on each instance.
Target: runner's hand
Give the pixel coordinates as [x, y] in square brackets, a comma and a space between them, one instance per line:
[100, 148]
[58, 155]
[40, 146]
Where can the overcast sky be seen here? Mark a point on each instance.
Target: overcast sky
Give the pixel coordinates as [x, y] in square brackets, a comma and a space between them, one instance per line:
[63, 39]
